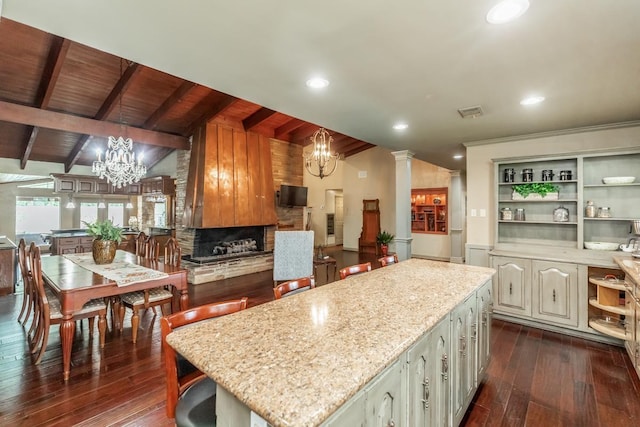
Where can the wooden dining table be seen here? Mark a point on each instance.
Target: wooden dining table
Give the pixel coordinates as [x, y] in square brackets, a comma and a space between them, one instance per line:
[75, 285]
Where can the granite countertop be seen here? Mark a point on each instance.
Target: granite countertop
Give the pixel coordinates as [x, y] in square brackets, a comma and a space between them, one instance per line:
[83, 233]
[295, 361]
[6, 243]
[630, 266]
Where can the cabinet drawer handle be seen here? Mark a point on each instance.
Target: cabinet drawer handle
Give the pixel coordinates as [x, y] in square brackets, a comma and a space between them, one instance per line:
[510, 288]
[425, 393]
[484, 318]
[445, 367]
[391, 424]
[554, 295]
[463, 346]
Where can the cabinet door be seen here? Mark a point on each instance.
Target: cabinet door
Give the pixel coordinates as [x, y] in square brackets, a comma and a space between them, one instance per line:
[103, 187]
[555, 292]
[64, 185]
[485, 308]
[86, 185]
[428, 378]
[351, 414]
[513, 286]
[463, 356]
[384, 407]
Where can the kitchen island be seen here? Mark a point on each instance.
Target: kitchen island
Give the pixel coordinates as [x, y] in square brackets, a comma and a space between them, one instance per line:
[7, 265]
[298, 360]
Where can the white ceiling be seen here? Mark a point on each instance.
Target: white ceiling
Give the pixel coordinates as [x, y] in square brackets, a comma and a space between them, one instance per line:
[409, 60]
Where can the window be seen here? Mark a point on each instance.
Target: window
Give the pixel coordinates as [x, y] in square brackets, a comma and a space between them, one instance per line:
[115, 212]
[88, 212]
[36, 216]
[160, 214]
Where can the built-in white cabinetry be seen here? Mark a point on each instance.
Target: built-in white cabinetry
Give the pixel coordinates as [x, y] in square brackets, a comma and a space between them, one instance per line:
[428, 378]
[384, 403]
[555, 292]
[586, 183]
[632, 323]
[538, 290]
[464, 324]
[351, 414]
[512, 285]
[485, 312]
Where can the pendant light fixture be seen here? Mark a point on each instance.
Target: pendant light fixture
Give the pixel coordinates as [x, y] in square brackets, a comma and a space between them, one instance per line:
[319, 161]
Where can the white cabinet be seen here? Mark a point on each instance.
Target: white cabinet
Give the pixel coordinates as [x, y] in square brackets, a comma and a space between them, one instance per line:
[464, 323]
[541, 291]
[632, 323]
[485, 311]
[384, 404]
[555, 292]
[351, 414]
[512, 285]
[428, 378]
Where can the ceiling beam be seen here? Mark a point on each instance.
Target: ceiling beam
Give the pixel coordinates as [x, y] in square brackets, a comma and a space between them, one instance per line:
[363, 147]
[222, 102]
[287, 128]
[50, 74]
[168, 104]
[256, 118]
[105, 109]
[22, 114]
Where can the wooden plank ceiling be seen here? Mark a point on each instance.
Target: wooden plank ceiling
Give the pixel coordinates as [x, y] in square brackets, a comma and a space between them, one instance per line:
[60, 100]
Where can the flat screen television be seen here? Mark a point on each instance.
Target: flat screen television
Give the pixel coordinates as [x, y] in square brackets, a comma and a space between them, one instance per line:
[292, 195]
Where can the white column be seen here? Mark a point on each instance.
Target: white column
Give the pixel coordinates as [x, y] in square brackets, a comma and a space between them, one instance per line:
[456, 217]
[403, 204]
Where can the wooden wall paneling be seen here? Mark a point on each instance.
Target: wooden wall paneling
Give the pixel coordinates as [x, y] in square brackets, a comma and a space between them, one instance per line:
[254, 180]
[268, 196]
[210, 208]
[225, 178]
[241, 179]
[191, 215]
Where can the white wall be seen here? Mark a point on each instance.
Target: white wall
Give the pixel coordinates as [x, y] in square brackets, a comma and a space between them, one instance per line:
[480, 172]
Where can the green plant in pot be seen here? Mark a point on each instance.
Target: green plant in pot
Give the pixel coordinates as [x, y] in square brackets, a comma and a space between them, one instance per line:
[384, 238]
[541, 188]
[107, 238]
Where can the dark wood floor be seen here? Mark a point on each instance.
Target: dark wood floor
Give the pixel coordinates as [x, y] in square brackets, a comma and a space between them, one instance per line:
[535, 378]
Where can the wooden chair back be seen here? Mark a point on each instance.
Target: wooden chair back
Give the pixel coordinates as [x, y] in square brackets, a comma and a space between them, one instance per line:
[285, 288]
[355, 269]
[172, 252]
[27, 297]
[141, 242]
[388, 260]
[152, 249]
[176, 385]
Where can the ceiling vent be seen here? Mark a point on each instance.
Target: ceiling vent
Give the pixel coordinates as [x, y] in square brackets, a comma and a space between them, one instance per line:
[472, 112]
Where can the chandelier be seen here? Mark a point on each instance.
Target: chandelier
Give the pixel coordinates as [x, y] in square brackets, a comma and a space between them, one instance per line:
[319, 161]
[119, 166]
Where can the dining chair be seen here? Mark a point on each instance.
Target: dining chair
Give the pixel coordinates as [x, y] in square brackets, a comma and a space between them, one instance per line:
[27, 296]
[354, 269]
[388, 260]
[293, 287]
[172, 252]
[149, 298]
[49, 309]
[190, 393]
[141, 242]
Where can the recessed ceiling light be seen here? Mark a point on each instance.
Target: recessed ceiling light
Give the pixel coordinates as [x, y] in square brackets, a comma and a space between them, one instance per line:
[458, 156]
[506, 11]
[317, 83]
[400, 126]
[532, 100]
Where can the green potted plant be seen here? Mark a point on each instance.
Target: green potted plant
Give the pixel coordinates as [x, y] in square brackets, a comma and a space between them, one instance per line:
[541, 189]
[107, 238]
[384, 238]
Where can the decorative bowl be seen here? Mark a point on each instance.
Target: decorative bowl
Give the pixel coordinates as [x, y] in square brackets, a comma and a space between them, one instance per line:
[618, 179]
[601, 246]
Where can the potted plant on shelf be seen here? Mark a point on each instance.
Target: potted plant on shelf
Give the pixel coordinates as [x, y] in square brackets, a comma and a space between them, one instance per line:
[107, 238]
[535, 190]
[384, 238]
